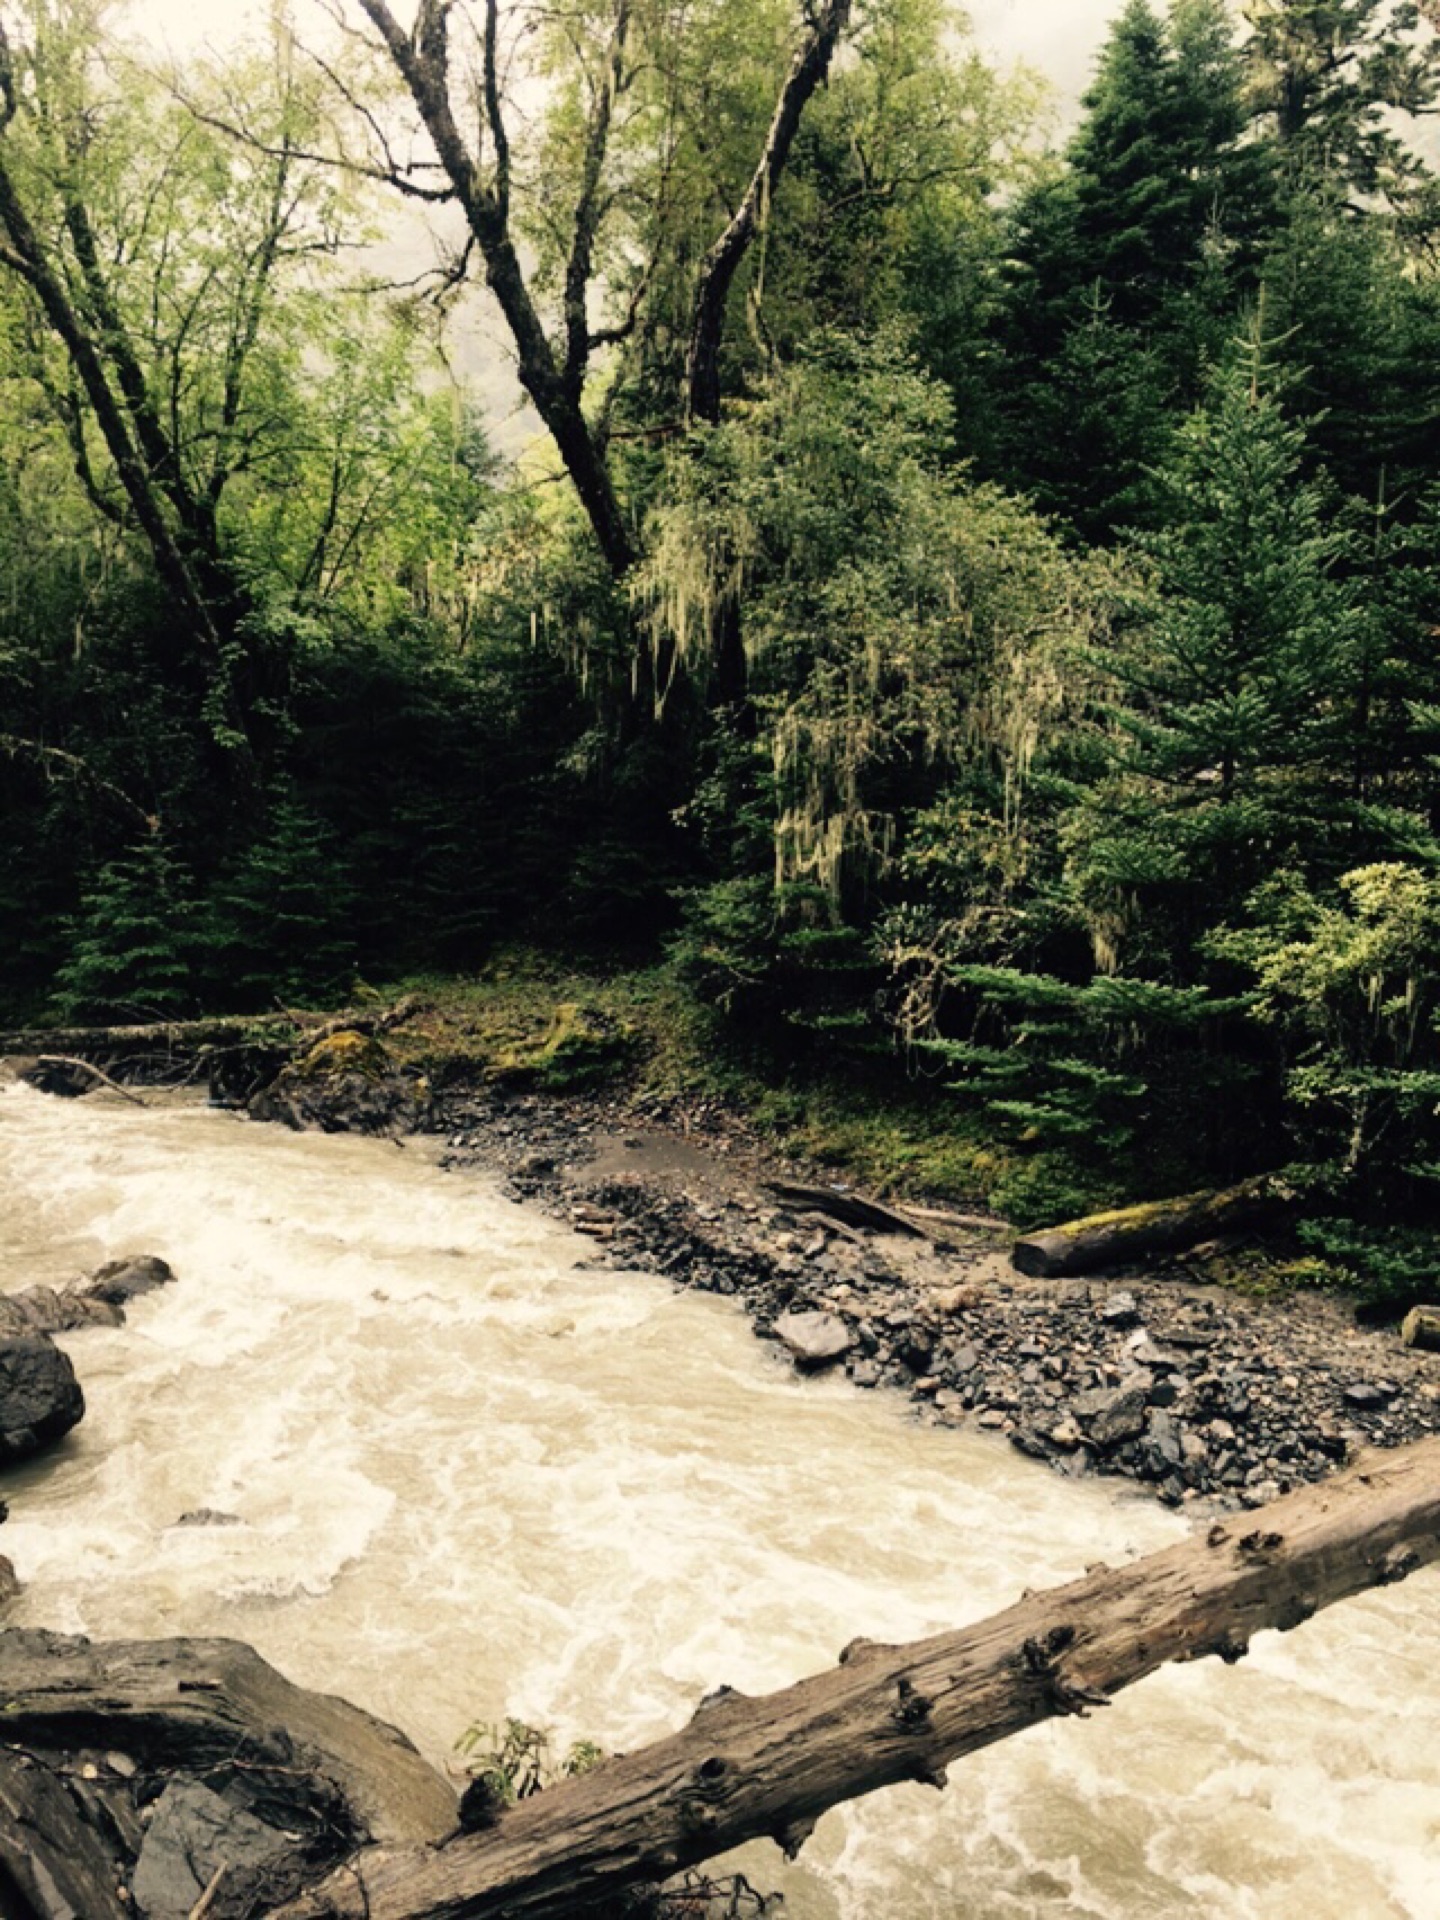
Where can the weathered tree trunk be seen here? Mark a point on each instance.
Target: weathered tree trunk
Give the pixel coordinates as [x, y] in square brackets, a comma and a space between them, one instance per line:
[1421, 1328]
[1160, 1226]
[179, 1036]
[852, 1208]
[189, 1036]
[745, 1768]
[186, 1776]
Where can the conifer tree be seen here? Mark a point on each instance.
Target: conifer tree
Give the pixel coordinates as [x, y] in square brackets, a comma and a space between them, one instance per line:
[1126, 267]
[1231, 701]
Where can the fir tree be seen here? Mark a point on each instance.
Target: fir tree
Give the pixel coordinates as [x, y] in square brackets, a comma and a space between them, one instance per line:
[1231, 701]
[135, 941]
[1125, 268]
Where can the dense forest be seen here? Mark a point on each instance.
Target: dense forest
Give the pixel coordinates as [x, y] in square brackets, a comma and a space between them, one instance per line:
[967, 607]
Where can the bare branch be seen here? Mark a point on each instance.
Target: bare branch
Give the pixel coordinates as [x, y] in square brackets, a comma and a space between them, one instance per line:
[588, 211]
[808, 69]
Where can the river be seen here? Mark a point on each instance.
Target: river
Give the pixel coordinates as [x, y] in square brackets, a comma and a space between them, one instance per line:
[477, 1479]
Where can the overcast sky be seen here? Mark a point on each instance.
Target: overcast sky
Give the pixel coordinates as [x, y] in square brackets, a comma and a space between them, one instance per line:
[1058, 36]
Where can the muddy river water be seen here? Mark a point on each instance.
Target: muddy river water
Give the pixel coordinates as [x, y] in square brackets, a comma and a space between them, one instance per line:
[476, 1479]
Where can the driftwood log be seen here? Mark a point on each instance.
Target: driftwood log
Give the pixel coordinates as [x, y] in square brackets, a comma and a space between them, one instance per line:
[160, 1036]
[1160, 1226]
[851, 1208]
[191, 1036]
[744, 1768]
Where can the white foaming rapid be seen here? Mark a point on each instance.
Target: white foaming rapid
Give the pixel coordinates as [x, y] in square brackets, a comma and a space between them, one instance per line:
[476, 1480]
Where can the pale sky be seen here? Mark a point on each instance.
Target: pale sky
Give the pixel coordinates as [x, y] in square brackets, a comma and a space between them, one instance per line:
[1060, 39]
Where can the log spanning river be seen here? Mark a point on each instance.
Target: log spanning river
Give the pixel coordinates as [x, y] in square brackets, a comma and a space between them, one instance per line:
[476, 1479]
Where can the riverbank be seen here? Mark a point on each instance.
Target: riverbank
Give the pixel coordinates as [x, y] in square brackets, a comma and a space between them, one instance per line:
[1207, 1376]
[1192, 1389]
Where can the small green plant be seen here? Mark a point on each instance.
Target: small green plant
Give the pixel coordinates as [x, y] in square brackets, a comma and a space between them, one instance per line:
[514, 1760]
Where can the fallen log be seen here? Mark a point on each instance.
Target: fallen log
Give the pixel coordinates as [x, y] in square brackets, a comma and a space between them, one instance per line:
[190, 1036]
[1421, 1328]
[851, 1208]
[744, 1768]
[1159, 1226]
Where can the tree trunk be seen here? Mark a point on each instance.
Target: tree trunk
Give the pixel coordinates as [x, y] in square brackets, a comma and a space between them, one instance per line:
[744, 1768]
[1133, 1233]
[808, 69]
[189, 1036]
[173, 1036]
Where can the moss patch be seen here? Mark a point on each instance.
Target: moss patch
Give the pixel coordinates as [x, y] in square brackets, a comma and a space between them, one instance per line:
[344, 1052]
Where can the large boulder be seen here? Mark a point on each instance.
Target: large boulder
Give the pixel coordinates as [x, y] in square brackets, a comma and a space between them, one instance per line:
[40, 1398]
[149, 1765]
[814, 1339]
[347, 1083]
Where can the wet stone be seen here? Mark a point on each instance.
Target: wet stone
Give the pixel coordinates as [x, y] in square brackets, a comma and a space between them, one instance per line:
[1367, 1395]
[814, 1339]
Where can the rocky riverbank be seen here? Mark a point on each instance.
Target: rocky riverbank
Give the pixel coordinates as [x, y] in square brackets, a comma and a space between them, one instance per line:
[1191, 1389]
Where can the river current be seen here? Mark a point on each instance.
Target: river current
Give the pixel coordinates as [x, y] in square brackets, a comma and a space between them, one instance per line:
[476, 1479]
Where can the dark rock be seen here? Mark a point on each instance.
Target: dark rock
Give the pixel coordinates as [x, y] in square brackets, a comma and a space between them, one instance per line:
[964, 1360]
[815, 1339]
[192, 1832]
[1120, 1310]
[1111, 1415]
[1160, 1451]
[1370, 1395]
[865, 1373]
[121, 1281]
[1025, 1440]
[1145, 1353]
[347, 1083]
[53, 1863]
[209, 1517]
[9, 1582]
[914, 1347]
[67, 1078]
[43, 1310]
[236, 1074]
[40, 1398]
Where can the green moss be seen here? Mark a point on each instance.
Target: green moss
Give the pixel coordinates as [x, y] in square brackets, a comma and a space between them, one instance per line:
[344, 1052]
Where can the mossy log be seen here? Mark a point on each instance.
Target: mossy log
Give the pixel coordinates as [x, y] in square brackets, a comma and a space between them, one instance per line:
[189, 1037]
[160, 1036]
[1135, 1233]
[1421, 1328]
[745, 1768]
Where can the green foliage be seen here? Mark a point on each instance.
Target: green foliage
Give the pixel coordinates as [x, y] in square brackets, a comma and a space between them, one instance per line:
[1390, 1266]
[1350, 980]
[1125, 267]
[516, 1760]
[136, 941]
[282, 915]
[1230, 691]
